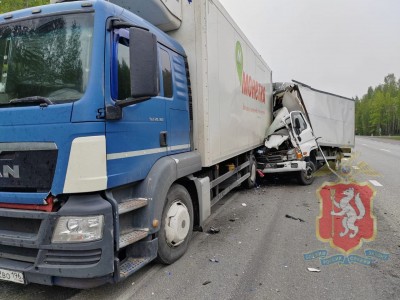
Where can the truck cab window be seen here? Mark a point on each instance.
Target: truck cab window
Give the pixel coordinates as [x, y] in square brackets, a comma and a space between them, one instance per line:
[298, 119]
[166, 74]
[124, 81]
[48, 57]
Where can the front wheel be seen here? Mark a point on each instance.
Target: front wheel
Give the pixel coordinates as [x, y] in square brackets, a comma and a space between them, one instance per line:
[306, 177]
[176, 225]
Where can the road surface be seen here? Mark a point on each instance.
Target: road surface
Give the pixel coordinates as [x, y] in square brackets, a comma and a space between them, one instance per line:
[259, 251]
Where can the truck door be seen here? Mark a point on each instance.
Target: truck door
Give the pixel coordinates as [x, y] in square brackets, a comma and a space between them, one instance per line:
[302, 132]
[175, 92]
[136, 141]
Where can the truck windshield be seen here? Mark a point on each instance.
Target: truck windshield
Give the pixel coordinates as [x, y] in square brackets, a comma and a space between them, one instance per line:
[45, 57]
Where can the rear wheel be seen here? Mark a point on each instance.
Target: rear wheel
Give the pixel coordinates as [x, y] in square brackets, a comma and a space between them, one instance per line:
[176, 225]
[306, 177]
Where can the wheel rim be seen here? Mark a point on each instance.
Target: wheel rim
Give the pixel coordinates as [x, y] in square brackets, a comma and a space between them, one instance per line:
[177, 224]
[309, 172]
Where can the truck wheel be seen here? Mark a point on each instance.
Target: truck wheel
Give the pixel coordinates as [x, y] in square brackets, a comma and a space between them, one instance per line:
[176, 225]
[251, 181]
[307, 177]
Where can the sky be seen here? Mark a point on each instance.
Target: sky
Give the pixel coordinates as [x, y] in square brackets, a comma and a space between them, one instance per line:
[338, 46]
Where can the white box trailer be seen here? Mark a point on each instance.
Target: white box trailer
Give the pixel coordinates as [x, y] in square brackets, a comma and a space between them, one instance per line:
[332, 116]
[231, 84]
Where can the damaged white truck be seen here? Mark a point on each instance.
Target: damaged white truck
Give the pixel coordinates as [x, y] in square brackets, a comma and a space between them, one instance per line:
[310, 128]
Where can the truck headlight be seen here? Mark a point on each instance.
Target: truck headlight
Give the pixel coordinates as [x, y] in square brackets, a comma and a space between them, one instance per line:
[78, 229]
[291, 154]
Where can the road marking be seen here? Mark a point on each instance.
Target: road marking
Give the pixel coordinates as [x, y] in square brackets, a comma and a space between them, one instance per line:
[385, 150]
[364, 144]
[355, 167]
[375, 183]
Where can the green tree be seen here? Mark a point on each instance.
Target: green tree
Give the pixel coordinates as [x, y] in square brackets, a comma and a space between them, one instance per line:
[378, 111]
[11, 5]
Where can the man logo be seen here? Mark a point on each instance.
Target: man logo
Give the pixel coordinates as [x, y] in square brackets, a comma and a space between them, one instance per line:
[9, 172]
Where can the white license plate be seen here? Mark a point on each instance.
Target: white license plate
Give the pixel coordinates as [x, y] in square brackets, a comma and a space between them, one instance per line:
[13, 276]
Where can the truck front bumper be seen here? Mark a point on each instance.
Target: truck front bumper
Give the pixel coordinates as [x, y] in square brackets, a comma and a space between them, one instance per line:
[284, 167]
[26, 246]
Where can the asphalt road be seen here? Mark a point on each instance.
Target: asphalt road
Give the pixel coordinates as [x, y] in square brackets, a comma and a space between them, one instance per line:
[258, 253]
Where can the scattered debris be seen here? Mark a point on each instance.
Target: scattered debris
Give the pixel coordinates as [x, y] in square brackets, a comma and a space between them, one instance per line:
[240, 242]
[206, 282]
[257, 229]
[233, 219]
[213, 230]
[244, 204]
[313, 270]
[214, 260]
[293, 218]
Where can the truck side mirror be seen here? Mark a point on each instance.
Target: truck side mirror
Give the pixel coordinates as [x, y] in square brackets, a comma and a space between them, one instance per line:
[144, 64]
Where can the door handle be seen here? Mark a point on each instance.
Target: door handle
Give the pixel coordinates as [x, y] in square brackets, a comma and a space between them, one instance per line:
[163, 139]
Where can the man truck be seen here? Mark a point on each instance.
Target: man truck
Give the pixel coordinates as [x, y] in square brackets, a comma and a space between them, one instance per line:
[121, 124]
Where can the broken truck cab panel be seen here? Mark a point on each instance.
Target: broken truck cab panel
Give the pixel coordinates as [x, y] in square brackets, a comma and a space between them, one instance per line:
[307, 114]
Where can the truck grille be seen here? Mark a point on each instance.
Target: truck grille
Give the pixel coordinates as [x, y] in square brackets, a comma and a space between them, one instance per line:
[19, 226]
[26, 171]
[79, 257]
[274, 158]
[18, 253]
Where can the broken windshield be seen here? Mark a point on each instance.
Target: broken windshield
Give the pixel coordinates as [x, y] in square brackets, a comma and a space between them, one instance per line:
[45, 57]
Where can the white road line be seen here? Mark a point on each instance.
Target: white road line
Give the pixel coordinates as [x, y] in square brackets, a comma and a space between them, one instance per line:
[386, 150]
[375, 183]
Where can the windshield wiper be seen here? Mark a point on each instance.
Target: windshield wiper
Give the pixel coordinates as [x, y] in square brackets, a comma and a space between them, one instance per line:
[43, 101]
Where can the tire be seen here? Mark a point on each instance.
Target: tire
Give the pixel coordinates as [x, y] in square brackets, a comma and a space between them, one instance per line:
[251, 181]
[176, 225]
[307, 177]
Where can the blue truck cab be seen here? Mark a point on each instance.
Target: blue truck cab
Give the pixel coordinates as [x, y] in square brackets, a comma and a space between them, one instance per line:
[94, 139]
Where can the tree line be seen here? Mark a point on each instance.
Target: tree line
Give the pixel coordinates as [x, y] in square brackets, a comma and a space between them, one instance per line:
[10, 5]
[378, 112]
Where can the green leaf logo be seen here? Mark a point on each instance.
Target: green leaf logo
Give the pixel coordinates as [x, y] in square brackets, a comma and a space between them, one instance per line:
[239, 60]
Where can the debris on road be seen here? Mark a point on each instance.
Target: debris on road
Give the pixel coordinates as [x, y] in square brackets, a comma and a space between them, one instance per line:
[313, 270]
[213, 230]
[244, 204]
[206, 282]
[215, 260]
[233, 219]
[293, 218]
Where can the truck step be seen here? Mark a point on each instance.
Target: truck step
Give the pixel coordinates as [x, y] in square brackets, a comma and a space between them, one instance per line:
[132, 237]
[131, 265]
[132, 204]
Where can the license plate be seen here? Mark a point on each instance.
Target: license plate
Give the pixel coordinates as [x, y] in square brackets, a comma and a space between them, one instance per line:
[12, 276]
